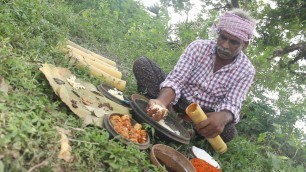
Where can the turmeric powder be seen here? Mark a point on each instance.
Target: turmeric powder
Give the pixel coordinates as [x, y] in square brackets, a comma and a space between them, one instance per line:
[203, 166]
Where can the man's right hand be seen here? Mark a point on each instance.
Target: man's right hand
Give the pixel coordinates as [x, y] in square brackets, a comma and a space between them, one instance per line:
[156, 109]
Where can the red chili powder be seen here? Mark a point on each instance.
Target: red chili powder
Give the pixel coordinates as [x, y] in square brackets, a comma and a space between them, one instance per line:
[203, 166]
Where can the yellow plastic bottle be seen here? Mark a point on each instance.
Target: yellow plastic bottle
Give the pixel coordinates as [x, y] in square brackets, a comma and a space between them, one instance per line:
[195, 112]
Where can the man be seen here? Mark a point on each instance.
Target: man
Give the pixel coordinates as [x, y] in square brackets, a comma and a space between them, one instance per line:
[215, 74]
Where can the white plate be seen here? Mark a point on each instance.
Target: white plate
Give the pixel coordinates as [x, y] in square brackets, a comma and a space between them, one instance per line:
[202, 154]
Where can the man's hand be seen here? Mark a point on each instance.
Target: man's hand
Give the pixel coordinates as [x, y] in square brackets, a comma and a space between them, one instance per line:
[214, 124]
[156, 109]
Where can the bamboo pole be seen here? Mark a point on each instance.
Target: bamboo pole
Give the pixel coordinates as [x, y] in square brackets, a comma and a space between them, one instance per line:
[109, 79]
[88, 56]
[103, 67]
[92, 53]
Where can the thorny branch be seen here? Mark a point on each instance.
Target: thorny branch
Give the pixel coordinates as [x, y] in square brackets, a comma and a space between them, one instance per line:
[288, 49]
[301, 47]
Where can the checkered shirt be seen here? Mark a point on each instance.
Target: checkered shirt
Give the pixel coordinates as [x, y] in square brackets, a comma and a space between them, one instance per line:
[193, 78]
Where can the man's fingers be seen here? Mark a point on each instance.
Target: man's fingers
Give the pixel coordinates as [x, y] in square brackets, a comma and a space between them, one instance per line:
[157, 117]
[212, 135]
[165, 111]
[201, 125]
[155, 110]
[208, 131]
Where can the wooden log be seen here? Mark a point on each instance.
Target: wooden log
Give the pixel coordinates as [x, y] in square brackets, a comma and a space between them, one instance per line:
[92, 53]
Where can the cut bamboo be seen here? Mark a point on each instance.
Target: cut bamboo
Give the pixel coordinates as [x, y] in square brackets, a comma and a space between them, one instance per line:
[103, 67]
[197, 115]
[92, 53]
[109, 79]
[88, 56]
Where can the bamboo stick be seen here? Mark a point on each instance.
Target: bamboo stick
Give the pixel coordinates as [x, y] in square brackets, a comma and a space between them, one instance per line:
[92, 53]
[105, 68]
[197, 115]
[88, 56]
[109, 79]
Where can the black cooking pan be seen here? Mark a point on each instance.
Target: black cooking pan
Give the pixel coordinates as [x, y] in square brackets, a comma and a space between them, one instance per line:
[139, 107]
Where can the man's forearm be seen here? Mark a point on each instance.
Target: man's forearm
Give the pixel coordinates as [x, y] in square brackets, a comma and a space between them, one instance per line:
[166, 96]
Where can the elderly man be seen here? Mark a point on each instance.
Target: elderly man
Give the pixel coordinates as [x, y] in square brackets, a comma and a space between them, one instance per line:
[215, 74]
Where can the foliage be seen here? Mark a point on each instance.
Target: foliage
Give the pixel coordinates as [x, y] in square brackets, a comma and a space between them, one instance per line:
[258, 156]
[34, 32]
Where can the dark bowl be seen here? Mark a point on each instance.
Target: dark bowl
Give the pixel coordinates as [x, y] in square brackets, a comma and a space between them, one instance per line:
[138, 96]
[165, 156]
[139, 107]
[108, 126]
[104, 88]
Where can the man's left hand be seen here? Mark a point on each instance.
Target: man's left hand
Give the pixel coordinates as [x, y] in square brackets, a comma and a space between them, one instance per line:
[214, 124]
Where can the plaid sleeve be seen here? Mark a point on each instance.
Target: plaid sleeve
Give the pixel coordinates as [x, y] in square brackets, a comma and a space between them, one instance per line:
[179, 75]
[237, 94]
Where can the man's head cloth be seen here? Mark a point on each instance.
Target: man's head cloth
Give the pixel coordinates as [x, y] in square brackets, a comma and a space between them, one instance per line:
[237, 26]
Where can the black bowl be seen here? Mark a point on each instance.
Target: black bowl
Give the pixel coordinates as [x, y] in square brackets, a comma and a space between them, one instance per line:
[139, 107]
[104, 88]
[138, 96]
[108, 126]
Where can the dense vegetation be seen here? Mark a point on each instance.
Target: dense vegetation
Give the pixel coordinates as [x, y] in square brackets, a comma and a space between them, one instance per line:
[33, 32]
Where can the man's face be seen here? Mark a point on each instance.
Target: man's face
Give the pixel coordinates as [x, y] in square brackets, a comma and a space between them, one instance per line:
[228, 46]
